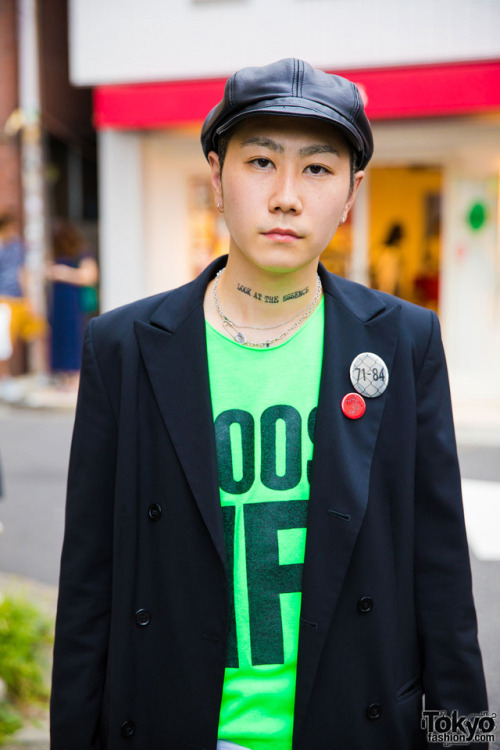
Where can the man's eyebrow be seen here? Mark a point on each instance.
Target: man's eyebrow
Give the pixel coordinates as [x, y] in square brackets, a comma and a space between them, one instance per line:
[315, 148]
[259, 140]
[318, 148]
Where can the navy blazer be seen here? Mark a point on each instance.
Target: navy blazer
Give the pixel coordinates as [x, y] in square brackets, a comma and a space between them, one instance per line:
[387, 614]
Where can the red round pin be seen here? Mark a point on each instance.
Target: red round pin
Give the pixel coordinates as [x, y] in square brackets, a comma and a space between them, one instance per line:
[353, 405]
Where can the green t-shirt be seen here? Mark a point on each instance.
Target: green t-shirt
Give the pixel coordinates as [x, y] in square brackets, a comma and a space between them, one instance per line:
[264, 404]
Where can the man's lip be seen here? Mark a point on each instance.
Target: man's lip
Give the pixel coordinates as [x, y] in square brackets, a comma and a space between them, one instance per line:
[278, 230]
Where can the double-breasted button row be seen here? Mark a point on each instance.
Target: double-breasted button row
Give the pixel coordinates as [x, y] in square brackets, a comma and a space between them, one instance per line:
[365, 605]
[142, 617]
[154, 512]
[127, 729]
[374, 711]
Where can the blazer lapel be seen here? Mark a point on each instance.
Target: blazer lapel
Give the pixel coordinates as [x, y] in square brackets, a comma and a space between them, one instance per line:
[355, 322]
[173, 347]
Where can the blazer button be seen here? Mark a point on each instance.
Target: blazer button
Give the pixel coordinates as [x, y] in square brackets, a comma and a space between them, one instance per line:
[154, 512]
[127, 729]
[374, 711]
[365, 604]
[142, 617]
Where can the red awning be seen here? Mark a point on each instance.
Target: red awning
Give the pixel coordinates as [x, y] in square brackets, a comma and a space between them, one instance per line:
[391, 93]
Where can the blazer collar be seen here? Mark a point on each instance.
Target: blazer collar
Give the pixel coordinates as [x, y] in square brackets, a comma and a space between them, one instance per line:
[179, 303]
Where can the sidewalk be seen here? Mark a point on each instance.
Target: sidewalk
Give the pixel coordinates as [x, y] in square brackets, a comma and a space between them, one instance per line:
[31, 738]
[37, 392]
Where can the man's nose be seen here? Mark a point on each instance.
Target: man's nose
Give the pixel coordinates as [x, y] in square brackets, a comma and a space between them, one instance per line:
[285, 195]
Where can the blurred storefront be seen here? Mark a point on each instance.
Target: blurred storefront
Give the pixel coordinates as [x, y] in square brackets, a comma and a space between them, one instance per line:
[424, 227]
[426, 223]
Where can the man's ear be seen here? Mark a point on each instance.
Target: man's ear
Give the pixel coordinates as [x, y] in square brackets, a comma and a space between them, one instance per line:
[358, 178]
[213, 160]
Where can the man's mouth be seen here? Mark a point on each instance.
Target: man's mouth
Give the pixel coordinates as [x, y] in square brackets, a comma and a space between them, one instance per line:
[283, 235]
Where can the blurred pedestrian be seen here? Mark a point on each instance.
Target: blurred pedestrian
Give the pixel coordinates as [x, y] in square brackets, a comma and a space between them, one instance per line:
[72, 272]
[17, 319]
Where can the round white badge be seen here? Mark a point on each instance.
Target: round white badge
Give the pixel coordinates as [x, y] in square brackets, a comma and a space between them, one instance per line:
[369, 374]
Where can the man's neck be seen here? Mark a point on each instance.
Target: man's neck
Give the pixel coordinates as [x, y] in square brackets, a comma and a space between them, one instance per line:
[252, 305]
[257, 297]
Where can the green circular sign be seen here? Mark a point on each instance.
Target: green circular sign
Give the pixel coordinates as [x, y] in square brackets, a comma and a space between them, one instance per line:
[477, 215]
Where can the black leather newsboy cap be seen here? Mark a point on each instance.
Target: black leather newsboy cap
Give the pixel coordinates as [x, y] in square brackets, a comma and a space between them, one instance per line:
[292, 88]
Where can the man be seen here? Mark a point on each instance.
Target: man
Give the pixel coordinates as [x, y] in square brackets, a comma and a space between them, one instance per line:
[265, 544]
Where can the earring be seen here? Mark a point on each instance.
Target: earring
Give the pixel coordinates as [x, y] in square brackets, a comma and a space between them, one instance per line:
[219, 209]
[341, 222]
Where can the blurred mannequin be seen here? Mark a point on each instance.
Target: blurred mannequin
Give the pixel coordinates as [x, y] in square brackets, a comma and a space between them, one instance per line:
[386, 265]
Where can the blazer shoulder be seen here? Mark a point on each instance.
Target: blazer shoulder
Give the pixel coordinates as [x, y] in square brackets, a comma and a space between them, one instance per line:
[418, 326]
[118, 321]
[367, 303]
[417, 319]
[166, 309]
[420, 330]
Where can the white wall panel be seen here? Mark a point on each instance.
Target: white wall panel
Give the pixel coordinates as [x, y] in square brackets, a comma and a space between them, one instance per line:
[122, 250]
[170, 160]
[115, 41]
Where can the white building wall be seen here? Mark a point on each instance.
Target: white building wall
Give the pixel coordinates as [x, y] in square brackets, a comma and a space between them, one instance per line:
[122, 267]
[169, 162]
[113, 41]
[471, 287]
[144, 238]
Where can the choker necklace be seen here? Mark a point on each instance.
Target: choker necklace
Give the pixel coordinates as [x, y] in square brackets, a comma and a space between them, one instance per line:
[240, 338]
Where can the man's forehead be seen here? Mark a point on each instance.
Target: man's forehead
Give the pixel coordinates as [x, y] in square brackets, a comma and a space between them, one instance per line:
[271, 130]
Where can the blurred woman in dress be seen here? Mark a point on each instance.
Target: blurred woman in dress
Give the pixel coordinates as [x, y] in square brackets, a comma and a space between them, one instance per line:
[72, 272]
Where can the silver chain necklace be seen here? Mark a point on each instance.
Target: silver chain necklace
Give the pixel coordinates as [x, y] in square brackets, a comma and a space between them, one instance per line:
[240, 338]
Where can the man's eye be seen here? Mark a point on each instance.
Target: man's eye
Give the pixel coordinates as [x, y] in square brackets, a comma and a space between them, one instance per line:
[317, 169]
[262, 163]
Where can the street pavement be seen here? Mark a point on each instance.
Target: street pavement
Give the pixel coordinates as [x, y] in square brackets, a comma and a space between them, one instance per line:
[34, 452]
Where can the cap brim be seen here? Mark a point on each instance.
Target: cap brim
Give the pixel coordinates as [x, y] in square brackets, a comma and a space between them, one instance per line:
[297, 108]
